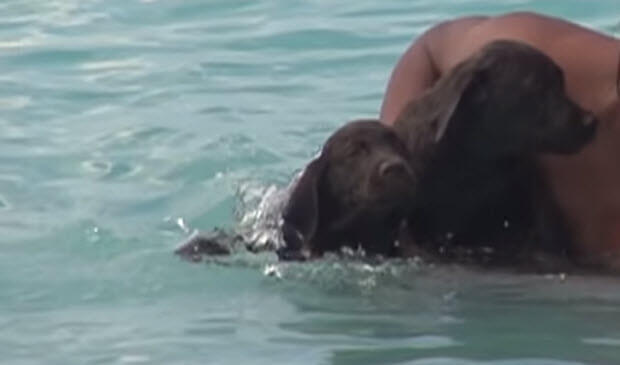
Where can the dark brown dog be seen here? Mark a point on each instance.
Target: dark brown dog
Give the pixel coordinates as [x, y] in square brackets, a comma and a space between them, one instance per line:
[463, 171]
[355, 194]
[490, 118]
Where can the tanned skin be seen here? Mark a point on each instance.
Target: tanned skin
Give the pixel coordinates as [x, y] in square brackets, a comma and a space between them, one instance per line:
[586, 185]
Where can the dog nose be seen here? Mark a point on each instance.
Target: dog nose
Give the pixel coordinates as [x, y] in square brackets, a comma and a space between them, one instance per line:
[393, 167]
[589, 120]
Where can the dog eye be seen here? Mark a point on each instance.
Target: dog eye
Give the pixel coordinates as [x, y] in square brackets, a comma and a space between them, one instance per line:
[363, 146]
[355, 148]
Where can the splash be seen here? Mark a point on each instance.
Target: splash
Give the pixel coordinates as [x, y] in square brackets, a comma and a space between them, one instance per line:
[259, 213]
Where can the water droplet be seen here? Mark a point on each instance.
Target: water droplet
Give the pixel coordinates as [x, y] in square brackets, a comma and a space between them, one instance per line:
[272, 270]
[181, 223]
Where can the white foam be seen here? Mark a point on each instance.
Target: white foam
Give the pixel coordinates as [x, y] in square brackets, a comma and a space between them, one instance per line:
[15, 102]
[260, 214]
[121, 64]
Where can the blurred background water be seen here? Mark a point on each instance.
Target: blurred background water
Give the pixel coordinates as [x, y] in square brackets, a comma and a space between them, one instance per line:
[125, 124]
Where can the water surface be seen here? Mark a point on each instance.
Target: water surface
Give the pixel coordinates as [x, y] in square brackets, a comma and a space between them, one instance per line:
[125, 124]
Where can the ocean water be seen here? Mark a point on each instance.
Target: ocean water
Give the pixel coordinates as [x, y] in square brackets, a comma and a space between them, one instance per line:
[124, 125]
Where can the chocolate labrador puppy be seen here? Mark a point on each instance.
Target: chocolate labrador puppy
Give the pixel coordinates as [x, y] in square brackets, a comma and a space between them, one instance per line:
[355, 194]
[480, 186]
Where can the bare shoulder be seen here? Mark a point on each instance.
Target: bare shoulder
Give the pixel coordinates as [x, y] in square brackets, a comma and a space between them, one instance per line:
[590, 77]
[524, 18]
[453, 41]
[444, 35]
[533, 26]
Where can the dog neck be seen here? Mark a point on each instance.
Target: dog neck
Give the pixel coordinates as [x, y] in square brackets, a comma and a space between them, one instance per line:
[375, 232]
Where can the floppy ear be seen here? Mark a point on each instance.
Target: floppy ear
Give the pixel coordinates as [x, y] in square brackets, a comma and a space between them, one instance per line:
[449, 92]
[301, 215]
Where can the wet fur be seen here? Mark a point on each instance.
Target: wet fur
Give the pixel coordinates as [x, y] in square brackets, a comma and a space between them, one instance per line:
[469, 148]
[480, 189]
[343, 199]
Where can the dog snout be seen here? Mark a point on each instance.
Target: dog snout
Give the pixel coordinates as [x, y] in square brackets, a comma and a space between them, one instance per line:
[590, 123]
[589, 120]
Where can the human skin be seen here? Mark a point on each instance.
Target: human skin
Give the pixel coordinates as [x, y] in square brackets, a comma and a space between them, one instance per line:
[586, 185]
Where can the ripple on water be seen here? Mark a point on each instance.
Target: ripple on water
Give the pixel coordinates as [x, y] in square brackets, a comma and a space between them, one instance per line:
[134, 359]
[117, 114]
[107, 170]
[15, 102]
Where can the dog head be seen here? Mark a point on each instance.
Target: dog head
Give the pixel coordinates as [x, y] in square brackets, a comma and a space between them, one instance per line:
[517, 98]
[354, 194]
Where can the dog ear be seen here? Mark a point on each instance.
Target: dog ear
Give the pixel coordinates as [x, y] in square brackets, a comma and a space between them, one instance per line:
[449, 92]
[301, 215]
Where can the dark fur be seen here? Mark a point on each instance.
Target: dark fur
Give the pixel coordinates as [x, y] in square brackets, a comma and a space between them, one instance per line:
[480, 186]
[462, 164]
[214, 243]
[355, 194]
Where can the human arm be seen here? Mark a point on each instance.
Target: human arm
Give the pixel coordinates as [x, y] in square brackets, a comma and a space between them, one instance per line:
[421, 65]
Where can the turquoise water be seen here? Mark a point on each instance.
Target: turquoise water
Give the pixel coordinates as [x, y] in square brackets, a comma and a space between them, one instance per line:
[126, 124]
